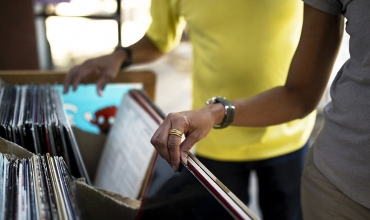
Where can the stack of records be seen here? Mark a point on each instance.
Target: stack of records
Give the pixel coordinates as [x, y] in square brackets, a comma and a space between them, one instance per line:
[40, 187]
[33, 117]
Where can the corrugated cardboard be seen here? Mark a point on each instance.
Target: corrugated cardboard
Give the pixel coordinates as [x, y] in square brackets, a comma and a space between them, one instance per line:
[92, 203]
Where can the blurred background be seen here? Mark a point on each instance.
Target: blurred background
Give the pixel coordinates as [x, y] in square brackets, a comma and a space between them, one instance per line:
[58, 34]
[81, 29]
[71, 32]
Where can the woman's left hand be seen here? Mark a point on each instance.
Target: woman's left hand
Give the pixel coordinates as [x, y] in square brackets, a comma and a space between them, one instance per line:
[195, 125]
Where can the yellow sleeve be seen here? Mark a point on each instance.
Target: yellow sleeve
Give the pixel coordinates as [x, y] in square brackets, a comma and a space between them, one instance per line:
[167, 24]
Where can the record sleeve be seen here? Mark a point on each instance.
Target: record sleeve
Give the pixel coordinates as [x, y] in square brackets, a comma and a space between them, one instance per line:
[127, 152]
[49, 187]
[42, 198]
[37, 122]
[35, 209]
[2, 184]
[6, 191]
[11, 188]
[40, 120]
[72, 153]
[33, 119]
[9, 113]
[63, 189]
[49, 120]
[14, 121]
[27, 188]
[28, 120]
[4, 113]
[56, 186]
[20, 123]
[21, 201]
[68, 181]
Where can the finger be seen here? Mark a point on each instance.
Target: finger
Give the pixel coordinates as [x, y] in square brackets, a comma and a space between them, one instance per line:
[100, 85]
[173, 146]
[186, 146]
[68, 79]
[160, 138]
[82, 72]
[78, 78]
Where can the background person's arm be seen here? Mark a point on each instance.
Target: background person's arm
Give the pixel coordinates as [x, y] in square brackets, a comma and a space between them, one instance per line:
[308, 76]
[108, 66]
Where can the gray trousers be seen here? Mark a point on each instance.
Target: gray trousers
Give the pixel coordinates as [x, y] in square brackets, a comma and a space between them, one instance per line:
[323, 200]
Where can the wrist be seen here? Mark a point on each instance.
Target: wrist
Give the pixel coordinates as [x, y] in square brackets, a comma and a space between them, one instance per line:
[224, 111]
[120, 56]
[217, 111]
[125, 56]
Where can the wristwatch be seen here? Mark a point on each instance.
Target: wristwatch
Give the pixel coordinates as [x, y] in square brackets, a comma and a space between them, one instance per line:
[229, 111]
[129, 59]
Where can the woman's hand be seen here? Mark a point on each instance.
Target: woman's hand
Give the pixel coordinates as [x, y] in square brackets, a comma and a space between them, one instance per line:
[195, 125]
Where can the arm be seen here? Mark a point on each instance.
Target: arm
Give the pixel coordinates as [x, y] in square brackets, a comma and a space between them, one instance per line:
[307, 79]
[108, 66]
[308, 75]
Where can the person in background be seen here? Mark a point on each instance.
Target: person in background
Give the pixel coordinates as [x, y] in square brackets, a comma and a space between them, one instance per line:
[240, 48]
[335, 182]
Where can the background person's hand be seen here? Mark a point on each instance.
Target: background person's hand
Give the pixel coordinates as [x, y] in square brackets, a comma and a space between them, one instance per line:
[194, 124]
[106, 67]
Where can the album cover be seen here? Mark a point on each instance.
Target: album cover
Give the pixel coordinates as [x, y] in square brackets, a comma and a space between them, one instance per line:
[90, 112]
[49, 188]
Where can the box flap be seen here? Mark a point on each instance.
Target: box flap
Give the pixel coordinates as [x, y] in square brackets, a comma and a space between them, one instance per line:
[11, 148]
[99, 204]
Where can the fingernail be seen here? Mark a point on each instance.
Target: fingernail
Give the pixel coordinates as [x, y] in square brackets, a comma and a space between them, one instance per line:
[100, 92]
[174, 168]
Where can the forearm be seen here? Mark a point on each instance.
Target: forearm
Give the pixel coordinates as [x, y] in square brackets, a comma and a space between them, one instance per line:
[143, 51]
[275, 106]
[307, 78]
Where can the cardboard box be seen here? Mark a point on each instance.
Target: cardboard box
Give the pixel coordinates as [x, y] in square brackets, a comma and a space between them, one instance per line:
[92, 203]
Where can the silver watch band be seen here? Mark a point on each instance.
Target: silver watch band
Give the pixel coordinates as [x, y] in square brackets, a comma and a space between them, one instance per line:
[229, 111]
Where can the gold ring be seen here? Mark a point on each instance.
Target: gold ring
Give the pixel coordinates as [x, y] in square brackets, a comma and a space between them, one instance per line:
[176, 132]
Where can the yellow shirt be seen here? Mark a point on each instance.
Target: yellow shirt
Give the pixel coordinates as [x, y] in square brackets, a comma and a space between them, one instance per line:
[240, 48]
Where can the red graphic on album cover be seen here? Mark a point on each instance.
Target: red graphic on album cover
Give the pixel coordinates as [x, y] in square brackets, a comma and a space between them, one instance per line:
[104, 118]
